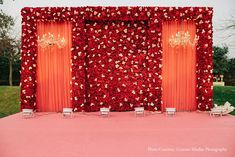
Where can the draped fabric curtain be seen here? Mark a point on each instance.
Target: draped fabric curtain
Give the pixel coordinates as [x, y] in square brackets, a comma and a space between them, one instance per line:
[179, 69]
[53, 69]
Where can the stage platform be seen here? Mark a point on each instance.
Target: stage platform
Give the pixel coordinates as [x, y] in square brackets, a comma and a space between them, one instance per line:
[121, 134]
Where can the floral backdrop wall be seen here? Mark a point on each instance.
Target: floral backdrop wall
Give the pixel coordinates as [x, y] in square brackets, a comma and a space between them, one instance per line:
[117, 55]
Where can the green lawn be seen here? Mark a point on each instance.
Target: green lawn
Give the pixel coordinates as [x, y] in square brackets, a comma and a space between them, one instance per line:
[9, 98]
[223, 94]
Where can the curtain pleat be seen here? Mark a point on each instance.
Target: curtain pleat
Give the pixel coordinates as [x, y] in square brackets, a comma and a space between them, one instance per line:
[53, 69]
[179, 69]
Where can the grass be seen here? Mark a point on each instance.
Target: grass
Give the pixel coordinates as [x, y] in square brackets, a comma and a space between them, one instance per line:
[10, 98]
[223, 94]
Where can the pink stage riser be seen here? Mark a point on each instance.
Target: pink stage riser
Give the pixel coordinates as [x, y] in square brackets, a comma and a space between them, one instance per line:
[120, 135]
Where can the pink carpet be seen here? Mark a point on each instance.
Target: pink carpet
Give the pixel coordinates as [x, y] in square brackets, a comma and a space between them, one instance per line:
[120, 135]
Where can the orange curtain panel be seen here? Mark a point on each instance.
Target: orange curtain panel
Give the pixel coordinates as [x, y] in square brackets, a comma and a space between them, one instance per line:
[179, 69]
[53, 69]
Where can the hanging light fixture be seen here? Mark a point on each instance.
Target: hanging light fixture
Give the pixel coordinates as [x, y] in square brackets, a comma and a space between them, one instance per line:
[48, 39]
[182, 38]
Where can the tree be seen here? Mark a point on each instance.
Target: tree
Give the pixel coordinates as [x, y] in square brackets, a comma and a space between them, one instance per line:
[232, 66]
[230, 25]
[220, 60]
[230, 75]
[6, 24]
[9, 46]
[12, 55]
[229, 69]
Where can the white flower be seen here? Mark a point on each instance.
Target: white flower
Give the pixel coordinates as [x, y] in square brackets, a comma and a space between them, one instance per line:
[106, 85]
[148, 13]
[118, 90]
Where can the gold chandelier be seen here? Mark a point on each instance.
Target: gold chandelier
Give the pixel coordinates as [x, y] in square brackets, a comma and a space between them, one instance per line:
[182, 38]
[48, 39]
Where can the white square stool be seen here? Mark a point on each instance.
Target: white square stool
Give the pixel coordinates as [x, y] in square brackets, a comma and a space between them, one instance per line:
[104, 111]
[170, 111]
[139, 111]
[67, 112]
[27, 113]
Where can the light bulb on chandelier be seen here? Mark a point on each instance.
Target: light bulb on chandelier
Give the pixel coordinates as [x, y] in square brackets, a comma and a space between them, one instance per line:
[48, 39]
[182, 38]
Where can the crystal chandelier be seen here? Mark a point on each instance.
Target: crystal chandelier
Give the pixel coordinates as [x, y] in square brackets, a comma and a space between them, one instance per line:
[182, 38]
[48, 39]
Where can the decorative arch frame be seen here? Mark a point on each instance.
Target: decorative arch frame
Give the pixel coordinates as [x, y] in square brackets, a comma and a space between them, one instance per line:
[202, 16]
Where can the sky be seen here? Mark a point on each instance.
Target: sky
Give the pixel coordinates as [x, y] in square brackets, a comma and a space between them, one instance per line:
[223, 12]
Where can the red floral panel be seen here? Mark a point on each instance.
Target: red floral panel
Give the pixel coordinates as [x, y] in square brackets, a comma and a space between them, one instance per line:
[116, 73]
